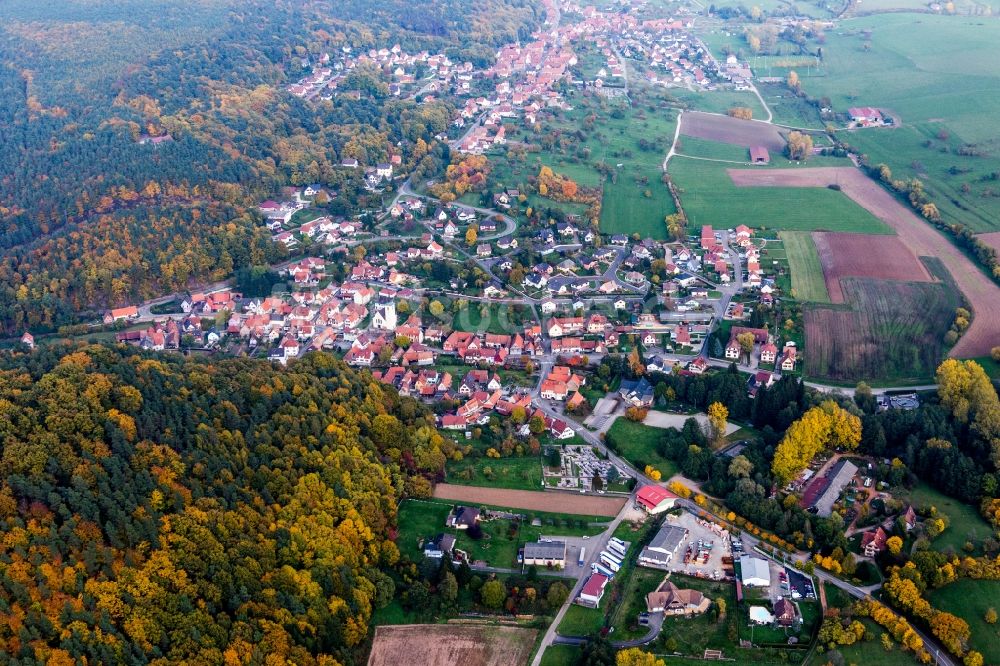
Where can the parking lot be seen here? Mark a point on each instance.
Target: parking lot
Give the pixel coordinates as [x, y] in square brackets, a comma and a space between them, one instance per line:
[703, 539]
[799, 584]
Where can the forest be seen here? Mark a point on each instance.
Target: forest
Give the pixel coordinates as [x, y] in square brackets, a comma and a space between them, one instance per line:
[211, 76]
[158, 509]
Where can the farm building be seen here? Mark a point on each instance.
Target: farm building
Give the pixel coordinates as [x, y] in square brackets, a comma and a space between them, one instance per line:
[671, 600]
[759, 155]
[754, 572]
[545, 554]
[655, 499]
[593, 590]
[835, 481]
[663, 546]
[865, 115]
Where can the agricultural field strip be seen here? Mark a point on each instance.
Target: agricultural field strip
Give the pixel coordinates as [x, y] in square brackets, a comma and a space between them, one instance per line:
[860, 255]
[531, 500]
[451, 645]
[716, 127]
[982, 294]
[808, 279]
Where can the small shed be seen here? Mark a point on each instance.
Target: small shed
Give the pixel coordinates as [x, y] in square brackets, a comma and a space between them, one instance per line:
[759, 155]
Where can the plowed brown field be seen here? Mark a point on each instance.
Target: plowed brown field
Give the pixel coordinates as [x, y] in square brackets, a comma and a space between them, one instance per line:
[923, 240]
[865, 255]
[451, 645]
[732, 130]
[532, 500]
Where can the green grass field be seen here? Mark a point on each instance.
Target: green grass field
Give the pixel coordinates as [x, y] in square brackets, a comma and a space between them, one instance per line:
[695, 635]
[581, 621]
[560, 655]
[637, 443]
[518, 473]
[963, 186]
[716, 150]
[710, 197]
[807, 271]
[719, 101]
[937, 74]
[970, 599]
[965, 522]
[991, 367]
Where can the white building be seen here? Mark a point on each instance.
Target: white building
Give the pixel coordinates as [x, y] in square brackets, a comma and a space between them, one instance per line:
[755, 572]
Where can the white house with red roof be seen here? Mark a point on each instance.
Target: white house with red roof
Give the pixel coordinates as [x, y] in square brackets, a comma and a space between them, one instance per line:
[593, 590]
[655, 499]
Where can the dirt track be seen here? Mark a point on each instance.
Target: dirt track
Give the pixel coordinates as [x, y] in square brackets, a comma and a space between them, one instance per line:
[863, 255]
[981, 293]
[532, 500]
[451, 645]
[732, 130]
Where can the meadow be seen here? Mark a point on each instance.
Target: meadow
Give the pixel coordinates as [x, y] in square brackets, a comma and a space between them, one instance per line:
[965, 523]
[970, 599]
[709, 196]
[937, 75]
[965, 187]
[637, 443]
[807, 271]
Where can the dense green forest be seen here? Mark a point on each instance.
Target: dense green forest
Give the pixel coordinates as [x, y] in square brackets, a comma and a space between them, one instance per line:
[82, 81]
[156, 508]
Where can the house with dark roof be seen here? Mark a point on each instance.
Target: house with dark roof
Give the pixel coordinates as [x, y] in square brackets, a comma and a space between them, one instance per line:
[463, 517]
[672, 600]
[439, 545]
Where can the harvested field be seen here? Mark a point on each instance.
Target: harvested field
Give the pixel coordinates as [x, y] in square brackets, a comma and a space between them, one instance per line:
[451, 645]
[532, 500]
[862, 255]
[732, 130]
[892, 331]
[923, 240]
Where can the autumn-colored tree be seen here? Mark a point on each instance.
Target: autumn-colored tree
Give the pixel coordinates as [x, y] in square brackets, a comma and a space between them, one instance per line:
[471, 235]
[825, 426]
[895, 545]
[718, 416]
[636, 657]
[436, 308]
[741, 112]
[746, 342]
[991, 616]
[793, 81]
[799, 146]
[652, 473]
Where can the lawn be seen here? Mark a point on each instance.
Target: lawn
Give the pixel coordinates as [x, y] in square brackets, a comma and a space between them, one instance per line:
[582, 621]
[517, 473]
[965, 522]
[625, 620]
[419, 519]
[491, 318]
[560, 655]
[716, 150]
[807, 271]
[710, 197]
[637, 443]
[695, 635]
[970, 599]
